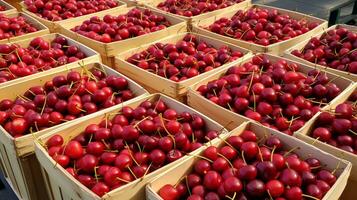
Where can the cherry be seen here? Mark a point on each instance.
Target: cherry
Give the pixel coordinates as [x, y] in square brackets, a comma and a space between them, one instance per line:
[212, 180]
[54, 11]
[275, 188]
[314, 191]
[100, 188]
[151, 23]
[248, 172]
[214, 176]
[255, 188]
[232, 185]
[274, 105]
[168, 192]
[186, 59]
[290, 177]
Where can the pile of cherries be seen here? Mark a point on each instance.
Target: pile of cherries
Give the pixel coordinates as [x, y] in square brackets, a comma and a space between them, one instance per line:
[189, 8]
[339, 128]
[40, 55]
[62, 99]
[187, 58]
[115, 28]
[273, 93]
[243, 168]
[337, 48]
[54, 10]
[261, 26]
[134, 143]
[14, 26]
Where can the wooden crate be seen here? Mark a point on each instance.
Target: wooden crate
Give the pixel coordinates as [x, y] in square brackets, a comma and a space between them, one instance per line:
[153, 5]
[92, 56]
[304, 134]
[22, 170]
[175, 174]
[109, 50]
[156, 83]
[42, 29]
[67, 187]
[9, 8]
[54, 26]
[302, 44]
[276, 48]
[223, 115]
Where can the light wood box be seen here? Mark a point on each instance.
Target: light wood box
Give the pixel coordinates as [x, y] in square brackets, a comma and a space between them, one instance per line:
[19, 164]
[153, 5]
[109, 50]
[9, 8]
[302, 44]
[41, 29]
[66, 187]
[276, 48]
[306, 131]
[156, 83]
[92, 56]
[223, 115]
[304, 150]
[54, 26]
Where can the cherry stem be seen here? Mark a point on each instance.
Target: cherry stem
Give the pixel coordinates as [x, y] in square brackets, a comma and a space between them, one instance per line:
[242, 153]
[163, 125]
[272, 153]
[146, 171]
[270, 197]
[178, 182]
[316, 139]
[260, 154]
[122, 180]
[105, 144]
[251, 81]
[188, 188]
[337, 167]
[95, 174]
[354, 133]
[137, 144]
[233, 197]
[227, 143]
[131, 171]
[311, 197]
[137, 124]
[226, 159]
[291, 150]
[132, 157]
